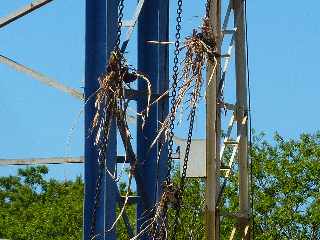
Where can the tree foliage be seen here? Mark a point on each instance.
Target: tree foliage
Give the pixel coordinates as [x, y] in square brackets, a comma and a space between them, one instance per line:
[285, 191]
[34, 208]
[286, 188]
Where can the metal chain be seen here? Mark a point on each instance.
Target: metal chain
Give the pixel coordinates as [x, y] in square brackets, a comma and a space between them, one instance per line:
[208, 8]
[172, 113]
[120, 17]
[187, 151]
[96, 200]
[102, 147]
[174, 90]
[184, 168]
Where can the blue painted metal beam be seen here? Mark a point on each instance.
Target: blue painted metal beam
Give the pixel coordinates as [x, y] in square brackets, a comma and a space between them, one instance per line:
[101, 25]
[163, 105]
[152, 61]
[111, 186]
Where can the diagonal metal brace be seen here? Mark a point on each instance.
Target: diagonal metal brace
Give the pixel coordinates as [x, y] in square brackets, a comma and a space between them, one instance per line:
[22, 12]
[122, 126]
[133, 22]
[41, 77]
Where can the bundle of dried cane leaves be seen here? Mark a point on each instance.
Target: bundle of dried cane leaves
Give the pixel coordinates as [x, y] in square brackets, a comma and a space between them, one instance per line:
[199, 48]
[111, 104]
[111, 97]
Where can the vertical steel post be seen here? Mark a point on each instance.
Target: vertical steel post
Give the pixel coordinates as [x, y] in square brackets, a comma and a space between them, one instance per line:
[152, 25]
[110, 194]
[163, 105]
[242, 116]
[101, 24]
[213, 132]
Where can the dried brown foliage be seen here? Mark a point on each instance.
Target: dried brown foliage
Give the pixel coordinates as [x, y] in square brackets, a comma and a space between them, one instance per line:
[111, 104]
[200, 48]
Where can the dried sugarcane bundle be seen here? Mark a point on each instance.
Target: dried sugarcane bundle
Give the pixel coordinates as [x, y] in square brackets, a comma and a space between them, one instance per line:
[111, 100]
[200, 48]
[111, 104]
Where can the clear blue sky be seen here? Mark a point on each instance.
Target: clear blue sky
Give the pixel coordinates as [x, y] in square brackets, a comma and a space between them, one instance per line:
[36, 120]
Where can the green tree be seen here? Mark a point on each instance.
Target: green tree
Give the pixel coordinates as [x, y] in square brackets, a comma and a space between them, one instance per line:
[285, 192]
[286, 188]
[33, 208]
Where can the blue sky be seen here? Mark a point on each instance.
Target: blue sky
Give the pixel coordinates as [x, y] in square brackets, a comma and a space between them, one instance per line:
[36, 120]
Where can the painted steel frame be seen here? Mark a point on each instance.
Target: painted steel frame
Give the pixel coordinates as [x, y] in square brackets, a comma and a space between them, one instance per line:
[153, 25]
[101, 22]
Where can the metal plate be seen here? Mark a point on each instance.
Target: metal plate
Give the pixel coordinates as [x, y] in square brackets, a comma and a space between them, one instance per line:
[197, 157]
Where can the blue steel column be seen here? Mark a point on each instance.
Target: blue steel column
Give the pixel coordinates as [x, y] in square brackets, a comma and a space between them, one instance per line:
[101, 24]
[149, 56]
[163, 105]
[110, 191]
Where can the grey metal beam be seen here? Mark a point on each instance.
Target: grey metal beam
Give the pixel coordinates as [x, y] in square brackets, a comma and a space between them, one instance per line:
[23, 11]
[132, 25]
[213, 129]
[52, 160]
[41, 77]
[241, 116]
[31, 161]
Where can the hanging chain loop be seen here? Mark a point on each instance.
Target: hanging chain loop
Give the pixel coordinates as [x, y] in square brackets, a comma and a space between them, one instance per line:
[184, 172]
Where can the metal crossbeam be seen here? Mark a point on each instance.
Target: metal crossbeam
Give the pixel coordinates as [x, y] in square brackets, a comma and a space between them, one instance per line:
[31, 161]
[23, 11]
[52, 160]
[41, 77]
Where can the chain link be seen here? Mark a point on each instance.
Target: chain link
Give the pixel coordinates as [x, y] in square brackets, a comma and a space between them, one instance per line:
[184, 168]
[174, 90]
[120, 17]
[208, 9]
[102, 147]
[96, 200]
[187, 151]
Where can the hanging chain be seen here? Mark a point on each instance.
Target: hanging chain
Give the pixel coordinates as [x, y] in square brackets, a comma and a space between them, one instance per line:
[102, 147]
[184, 169]
[120, 17]
[96, 198]
[187, 151]
[174, 90]
[208, 8]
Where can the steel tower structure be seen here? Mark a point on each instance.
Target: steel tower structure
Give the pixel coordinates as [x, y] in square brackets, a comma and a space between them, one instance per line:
[153, 18]
[101, 24]
[218, 168]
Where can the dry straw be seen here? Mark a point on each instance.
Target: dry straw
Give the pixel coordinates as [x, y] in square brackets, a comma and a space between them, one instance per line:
[200, 48]
[111, 105]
